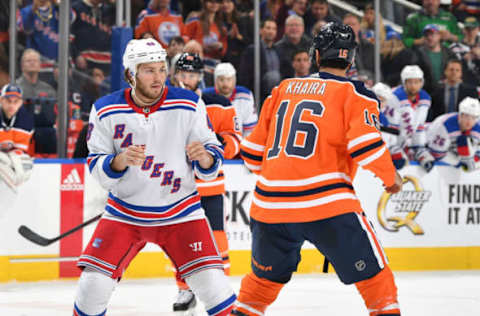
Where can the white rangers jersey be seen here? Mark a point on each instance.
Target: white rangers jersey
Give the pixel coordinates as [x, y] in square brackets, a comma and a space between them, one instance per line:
[446, 141]
[409, 117]
[162, 191]
[242, 100]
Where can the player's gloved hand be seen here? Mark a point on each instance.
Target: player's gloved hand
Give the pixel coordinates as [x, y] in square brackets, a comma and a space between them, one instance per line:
[468, 164]
[425, 159]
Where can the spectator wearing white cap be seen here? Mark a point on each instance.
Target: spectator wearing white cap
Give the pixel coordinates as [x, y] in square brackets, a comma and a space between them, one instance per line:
[241, 97]
[454, 138]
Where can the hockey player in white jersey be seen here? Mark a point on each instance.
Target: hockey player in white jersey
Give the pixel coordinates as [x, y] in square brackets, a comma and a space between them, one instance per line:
[147, 143]
[454, 138]
[241, 97]
[388, 102]
[409, 115]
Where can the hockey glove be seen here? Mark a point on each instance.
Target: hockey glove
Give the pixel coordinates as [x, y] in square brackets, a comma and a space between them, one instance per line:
[468, 164]
[22, 164]
[425, 159]
[399, 158]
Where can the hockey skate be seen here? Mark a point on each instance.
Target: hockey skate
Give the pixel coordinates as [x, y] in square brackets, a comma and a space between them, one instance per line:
[185, 303]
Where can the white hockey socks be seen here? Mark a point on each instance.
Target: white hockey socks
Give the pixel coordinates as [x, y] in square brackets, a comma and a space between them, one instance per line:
[93, 293]
[211, 286]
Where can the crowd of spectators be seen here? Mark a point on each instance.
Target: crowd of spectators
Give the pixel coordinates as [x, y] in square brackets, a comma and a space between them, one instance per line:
[442, 38]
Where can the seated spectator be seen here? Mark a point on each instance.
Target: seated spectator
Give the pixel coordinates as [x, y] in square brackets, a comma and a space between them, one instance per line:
[40, 99]
[301, 63]
[367, 26]
[29, 82]
[175, 46]
[293, 40]
[160, 23]
[288, 8]
[239, 31]
[468, 51]
[269, 62]
[413, 30]
[454, 138]
[319, 11]
[92, 33]
[365, 49]
[40, 23]
[432, 57]
[209, 30]
[269, 9]
[93, 89]
[394, 56]
[447, 96]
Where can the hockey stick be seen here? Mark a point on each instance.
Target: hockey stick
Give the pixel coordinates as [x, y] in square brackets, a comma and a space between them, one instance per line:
[32, 236]
[389, 130]
[325, 265]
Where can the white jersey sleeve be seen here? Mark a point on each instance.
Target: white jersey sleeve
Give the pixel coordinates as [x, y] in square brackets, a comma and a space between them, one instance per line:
[101, 152]
[438, 140]
[245, 106]
[202, 131]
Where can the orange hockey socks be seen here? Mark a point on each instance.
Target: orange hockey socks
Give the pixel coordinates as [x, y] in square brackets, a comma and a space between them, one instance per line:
[256, 294]
[380, 294]
[222, 243]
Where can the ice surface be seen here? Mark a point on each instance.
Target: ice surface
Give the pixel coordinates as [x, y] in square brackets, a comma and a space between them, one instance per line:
[420, 294]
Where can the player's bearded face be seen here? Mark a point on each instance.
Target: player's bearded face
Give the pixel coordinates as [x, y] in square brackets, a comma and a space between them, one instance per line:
[225, 85]
[150, 79]
[188, 79]
[10, 105]
[413, 86]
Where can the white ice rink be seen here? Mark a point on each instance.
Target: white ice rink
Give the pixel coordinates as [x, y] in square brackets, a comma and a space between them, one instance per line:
[420, 294]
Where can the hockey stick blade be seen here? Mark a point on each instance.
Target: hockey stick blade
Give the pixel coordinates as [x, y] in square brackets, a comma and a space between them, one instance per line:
[32, 236]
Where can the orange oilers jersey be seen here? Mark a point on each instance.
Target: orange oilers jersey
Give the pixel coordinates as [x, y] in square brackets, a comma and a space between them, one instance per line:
[224, 122]
[162, 27]
[311, 136]
[16, 133]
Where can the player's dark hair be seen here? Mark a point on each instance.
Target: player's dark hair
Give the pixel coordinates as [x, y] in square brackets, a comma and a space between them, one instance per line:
[334, 63]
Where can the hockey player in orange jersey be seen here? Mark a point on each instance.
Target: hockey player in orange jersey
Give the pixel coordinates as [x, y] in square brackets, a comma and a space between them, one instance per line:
[224, 122]
[312, 134]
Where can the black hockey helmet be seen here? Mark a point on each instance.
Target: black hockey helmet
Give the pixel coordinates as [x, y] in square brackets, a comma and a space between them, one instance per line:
[189, 62]
[335, 42]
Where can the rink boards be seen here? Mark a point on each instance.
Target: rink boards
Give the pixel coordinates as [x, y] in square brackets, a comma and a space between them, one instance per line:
[433, 224]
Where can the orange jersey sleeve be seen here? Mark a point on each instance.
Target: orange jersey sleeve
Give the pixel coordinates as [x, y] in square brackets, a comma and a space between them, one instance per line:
[310, 137]
[224, 121]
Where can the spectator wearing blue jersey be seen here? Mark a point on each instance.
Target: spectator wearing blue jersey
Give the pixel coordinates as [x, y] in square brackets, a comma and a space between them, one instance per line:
[40, 23]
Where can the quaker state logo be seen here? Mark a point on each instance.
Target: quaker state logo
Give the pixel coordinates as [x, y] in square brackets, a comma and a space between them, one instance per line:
[402, 208]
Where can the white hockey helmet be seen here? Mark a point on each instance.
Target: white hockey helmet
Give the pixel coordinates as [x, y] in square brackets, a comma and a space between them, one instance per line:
[142, 51]
[382, 90]
[411, 72]
[470, 106]
[224, 69]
